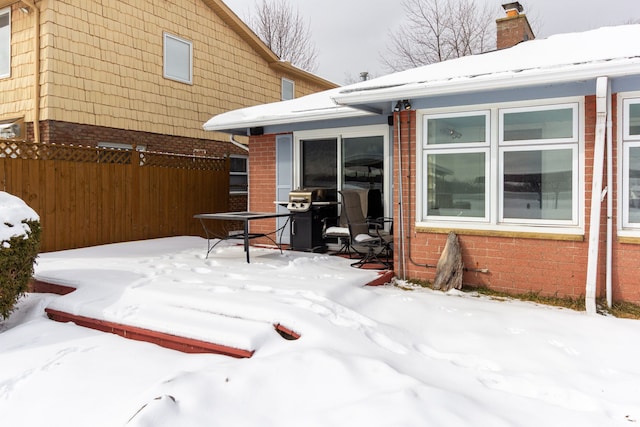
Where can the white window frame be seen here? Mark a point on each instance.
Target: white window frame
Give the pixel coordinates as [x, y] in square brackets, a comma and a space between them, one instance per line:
[236, 173]
[284, 84]
[495, 149]
[6, 47]
[574, 176]
[487, 194]
[626, 141]
[452, 148]
[167, 60]
[574, 131]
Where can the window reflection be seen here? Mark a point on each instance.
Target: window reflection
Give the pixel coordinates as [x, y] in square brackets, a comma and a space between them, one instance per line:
[456, 184]
[537, 125]
[634, 184]
[319, 166]
[538, 184]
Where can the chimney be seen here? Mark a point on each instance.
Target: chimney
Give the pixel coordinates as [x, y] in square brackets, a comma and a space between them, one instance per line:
[513, 28]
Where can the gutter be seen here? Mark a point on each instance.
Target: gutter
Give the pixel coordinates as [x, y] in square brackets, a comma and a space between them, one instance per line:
[338, 112]
[597, 194]
[492, 81]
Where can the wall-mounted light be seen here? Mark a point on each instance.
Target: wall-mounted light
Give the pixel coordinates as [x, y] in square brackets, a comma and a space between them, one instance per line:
[398, 106]
[24, 9]
[406, 104]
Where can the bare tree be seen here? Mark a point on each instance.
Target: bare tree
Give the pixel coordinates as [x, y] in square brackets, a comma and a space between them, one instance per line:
[284, 31]
[438, 30]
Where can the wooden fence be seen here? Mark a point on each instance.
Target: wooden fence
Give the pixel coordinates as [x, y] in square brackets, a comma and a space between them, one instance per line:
[87, 196]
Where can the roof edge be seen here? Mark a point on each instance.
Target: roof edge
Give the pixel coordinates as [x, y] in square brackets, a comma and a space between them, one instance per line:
[287, 67]
[247, 34]
[339, 112]
[242, 29]
[5, 3]
[521, 78]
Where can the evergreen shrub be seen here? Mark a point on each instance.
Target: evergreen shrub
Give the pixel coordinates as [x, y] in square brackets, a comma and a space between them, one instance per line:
[17, 257]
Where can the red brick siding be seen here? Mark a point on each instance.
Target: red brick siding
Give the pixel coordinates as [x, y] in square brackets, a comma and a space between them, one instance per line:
[512, 30]
[89, 136]
[515, 265]
[262, 180]
[625, 256]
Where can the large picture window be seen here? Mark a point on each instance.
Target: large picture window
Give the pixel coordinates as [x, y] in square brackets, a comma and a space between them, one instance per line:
[631, 164]
[178, 56]
[502, 168]
[538, 184]
[456, 159]
[5, 42]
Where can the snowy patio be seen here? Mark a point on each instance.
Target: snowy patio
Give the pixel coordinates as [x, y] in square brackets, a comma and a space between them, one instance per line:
[366, 356]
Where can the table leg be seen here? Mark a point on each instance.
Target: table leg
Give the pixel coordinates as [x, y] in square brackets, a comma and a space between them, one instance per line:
[246, 239]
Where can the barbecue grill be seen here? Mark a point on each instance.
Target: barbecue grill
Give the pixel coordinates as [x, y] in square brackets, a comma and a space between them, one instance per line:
[310, 206]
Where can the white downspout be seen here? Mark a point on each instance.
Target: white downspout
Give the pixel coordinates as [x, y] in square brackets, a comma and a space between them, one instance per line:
[596, 194]
[238, 144]
[609, 196]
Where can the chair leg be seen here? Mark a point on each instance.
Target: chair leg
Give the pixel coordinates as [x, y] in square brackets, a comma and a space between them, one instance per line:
[346, 248]
[372, 258]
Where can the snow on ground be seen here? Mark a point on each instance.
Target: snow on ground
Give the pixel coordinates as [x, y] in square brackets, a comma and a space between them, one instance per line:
[368, 356]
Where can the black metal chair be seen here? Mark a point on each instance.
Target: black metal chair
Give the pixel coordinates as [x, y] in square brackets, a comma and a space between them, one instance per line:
[365, 233]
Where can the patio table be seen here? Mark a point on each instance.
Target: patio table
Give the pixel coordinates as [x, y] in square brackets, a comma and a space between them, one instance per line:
[245, 217]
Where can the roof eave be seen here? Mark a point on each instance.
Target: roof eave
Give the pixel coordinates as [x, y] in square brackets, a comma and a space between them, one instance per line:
[338, 113]
[509, 79]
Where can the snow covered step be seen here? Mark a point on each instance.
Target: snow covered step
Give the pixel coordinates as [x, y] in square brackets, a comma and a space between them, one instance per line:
[179, 329]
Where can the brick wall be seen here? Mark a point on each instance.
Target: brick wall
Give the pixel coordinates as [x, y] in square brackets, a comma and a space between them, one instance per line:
[524, 263]
[512, 30]
[262, 180]
[57, 132]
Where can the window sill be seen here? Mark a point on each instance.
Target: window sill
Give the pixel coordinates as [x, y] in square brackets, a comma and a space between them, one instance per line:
[629, 240]
[506, 233]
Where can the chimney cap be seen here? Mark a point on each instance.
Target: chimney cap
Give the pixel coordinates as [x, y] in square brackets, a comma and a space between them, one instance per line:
[513, 6]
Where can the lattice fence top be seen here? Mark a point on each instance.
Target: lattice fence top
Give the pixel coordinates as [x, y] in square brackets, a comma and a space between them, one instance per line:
[73, 153]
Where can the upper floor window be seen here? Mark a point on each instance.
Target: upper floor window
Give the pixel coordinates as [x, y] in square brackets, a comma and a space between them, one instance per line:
[239, 175]
[5, 42]
[178, 59]
[288, 89]
[631, 163]
[503, 167]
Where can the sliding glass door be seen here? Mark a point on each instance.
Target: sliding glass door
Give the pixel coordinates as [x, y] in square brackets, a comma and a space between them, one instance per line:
[347, 161]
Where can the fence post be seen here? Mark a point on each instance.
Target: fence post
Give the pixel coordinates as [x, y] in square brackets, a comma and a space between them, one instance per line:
[135, 194]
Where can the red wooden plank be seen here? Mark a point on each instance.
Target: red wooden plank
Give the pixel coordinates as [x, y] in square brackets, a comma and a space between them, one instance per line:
[174, 342]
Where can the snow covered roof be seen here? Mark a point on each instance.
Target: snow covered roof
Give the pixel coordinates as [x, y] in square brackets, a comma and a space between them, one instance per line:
[607, 51]
[317, 106]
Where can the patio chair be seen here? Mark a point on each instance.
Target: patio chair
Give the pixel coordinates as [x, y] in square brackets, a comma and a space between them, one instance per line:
[337, 228]
[366, 234]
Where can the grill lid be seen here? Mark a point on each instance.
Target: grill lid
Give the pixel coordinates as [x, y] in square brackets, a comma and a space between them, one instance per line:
[302, 199]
